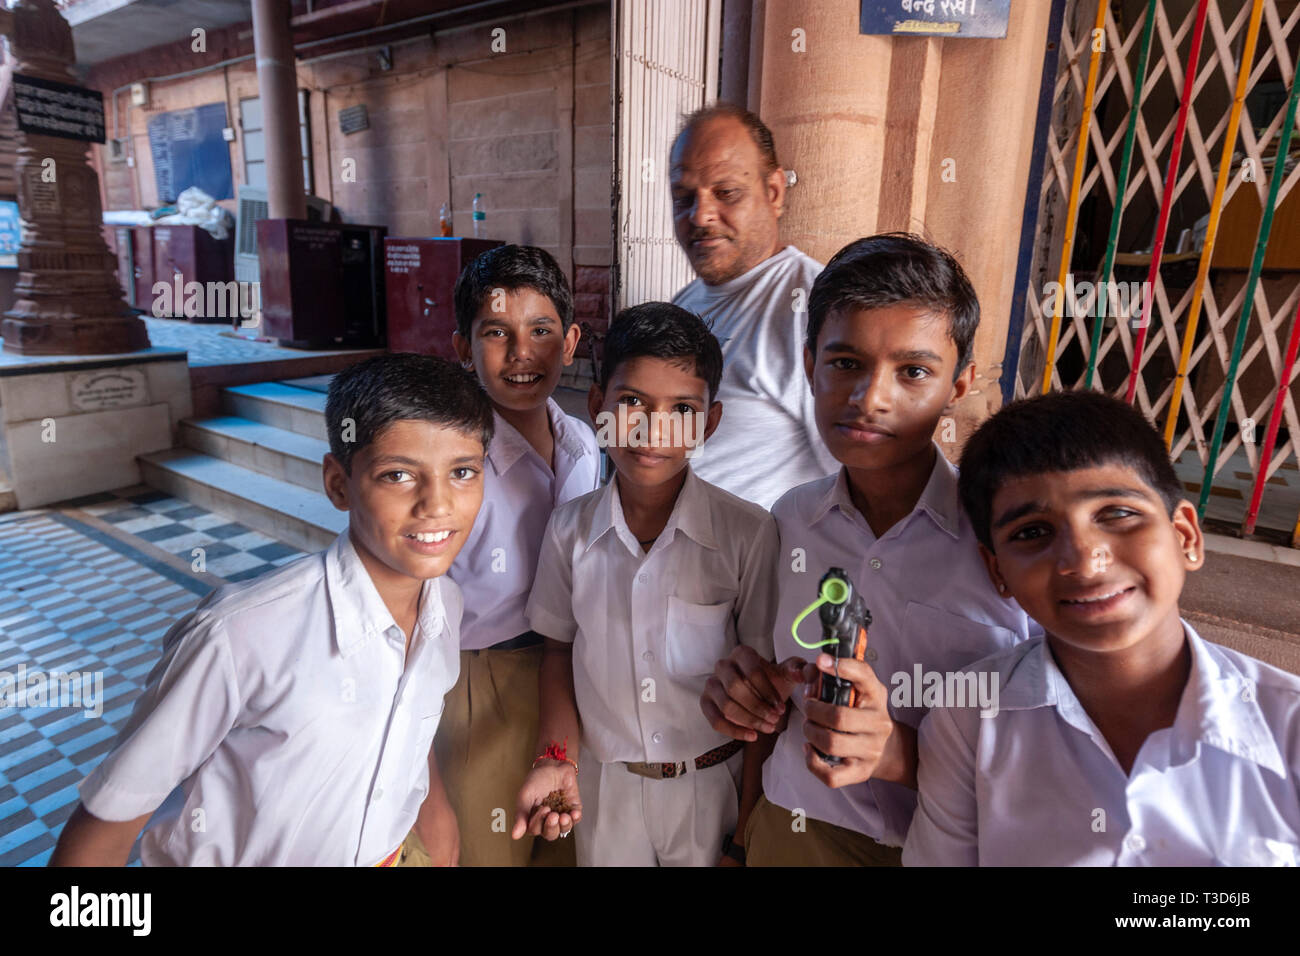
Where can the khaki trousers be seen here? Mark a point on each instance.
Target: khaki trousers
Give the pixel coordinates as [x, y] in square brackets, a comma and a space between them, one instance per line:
[486, 743]
[772, 840]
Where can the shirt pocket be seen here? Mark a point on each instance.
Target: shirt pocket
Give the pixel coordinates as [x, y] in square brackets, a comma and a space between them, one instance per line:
[698, 634]
[941, 640]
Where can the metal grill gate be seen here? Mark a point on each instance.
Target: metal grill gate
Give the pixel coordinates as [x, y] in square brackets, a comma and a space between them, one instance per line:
[1240, 458]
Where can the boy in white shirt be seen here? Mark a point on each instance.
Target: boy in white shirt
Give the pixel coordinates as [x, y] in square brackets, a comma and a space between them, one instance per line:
[297, 710]
[1121, 738]
[640, 587]
[891, 327]
[515, 329]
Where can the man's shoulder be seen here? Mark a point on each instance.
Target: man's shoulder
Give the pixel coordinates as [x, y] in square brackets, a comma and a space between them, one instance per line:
[802, 263]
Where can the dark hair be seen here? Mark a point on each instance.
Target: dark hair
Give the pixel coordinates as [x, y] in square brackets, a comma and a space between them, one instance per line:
[1063, 431]
[897, 267]
[666, 331]
[403, 386]
[511, 268]
[761, 135]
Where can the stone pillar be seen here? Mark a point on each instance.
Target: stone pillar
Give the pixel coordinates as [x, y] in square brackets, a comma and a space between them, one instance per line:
[733, 83]
[68, 300]
[277, 85]
[932, 136]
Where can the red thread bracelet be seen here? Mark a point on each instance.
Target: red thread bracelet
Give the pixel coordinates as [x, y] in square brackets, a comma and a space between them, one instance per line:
[556, 751]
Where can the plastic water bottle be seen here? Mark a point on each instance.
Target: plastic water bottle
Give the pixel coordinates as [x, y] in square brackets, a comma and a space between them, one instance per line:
[479, 215]
[444, 221]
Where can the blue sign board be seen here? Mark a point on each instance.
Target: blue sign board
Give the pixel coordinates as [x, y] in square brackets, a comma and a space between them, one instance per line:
[935, 18]
[188, 149]
[10, 234]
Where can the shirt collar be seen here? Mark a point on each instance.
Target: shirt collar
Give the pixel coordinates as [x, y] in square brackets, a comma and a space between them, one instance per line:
[939, 498]
[1219, 707]
[359, 612]
[691, 515]
[508, 445]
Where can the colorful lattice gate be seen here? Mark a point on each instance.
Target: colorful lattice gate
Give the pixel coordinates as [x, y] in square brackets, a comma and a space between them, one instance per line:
[1184, 297]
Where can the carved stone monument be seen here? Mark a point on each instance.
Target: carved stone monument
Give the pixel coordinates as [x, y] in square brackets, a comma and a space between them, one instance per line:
[68, 298]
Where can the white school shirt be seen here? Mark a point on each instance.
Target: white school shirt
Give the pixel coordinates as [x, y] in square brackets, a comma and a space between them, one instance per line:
[289, 712]
[647, 627]
[760, 319]
[1038, 785]
[931, 603]
[496, 566]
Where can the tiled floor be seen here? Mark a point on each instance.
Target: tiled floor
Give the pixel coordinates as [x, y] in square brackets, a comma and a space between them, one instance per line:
[218, 344]
[90, 587]
[1231, 489]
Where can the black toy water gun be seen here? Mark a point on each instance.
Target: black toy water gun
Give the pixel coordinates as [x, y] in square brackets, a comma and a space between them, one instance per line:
[845, 619]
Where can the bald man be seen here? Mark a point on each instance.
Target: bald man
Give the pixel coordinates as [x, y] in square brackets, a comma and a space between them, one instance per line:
[728, 191]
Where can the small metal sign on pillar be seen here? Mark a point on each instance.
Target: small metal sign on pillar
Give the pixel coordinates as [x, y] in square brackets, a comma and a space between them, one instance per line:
[957, 19]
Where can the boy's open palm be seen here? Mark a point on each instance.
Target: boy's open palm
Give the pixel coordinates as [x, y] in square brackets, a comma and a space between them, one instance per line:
[533, 816]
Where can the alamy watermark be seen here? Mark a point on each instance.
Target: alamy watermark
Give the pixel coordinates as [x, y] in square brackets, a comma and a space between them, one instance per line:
[1130, 300]
[637, 429]
[210, 300]
[930, 689]
[83, 690]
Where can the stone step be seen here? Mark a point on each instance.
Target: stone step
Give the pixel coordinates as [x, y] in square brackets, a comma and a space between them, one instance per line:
[283, 406]
[280, 509]
[259, 447]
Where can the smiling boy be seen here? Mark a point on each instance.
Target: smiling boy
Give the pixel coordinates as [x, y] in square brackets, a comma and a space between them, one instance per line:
[297, 711]
[1122, 737]
[640, 587]
[891, 324]
[515, 329]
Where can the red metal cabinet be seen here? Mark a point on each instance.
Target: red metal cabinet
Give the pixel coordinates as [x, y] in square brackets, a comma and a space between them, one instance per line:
[142, 267]
[420, 275]
[191, 252]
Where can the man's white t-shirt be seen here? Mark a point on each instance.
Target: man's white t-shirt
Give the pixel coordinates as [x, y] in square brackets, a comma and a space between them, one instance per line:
[767, 441]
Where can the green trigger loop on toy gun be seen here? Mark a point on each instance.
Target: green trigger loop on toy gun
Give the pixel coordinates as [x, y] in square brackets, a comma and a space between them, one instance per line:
[834, 591]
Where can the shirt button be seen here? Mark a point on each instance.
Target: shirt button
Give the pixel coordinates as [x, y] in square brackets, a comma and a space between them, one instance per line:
[1134, 843]
[379, 792]
[871, 654]
[641, 578]
[876, 564]
[648, 656]
[658, 738]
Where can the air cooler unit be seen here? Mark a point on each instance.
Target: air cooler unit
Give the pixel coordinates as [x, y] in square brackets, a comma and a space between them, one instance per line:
[253, 206]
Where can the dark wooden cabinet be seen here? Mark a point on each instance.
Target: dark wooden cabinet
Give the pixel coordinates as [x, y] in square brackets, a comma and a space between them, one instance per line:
[322, 284]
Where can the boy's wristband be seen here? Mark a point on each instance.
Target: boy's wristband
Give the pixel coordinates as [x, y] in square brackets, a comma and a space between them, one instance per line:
[556, 751]
[733, 849]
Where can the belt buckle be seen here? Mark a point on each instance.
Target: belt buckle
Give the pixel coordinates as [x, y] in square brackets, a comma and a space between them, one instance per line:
[656, 771]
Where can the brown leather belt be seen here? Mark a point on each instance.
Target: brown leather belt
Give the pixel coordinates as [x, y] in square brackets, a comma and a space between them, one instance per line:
[662, 771]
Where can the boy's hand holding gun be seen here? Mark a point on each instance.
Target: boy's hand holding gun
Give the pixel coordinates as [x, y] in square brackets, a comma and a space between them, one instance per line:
[851, 736]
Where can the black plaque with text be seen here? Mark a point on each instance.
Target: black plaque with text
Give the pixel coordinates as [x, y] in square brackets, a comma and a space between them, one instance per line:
[47, 108]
